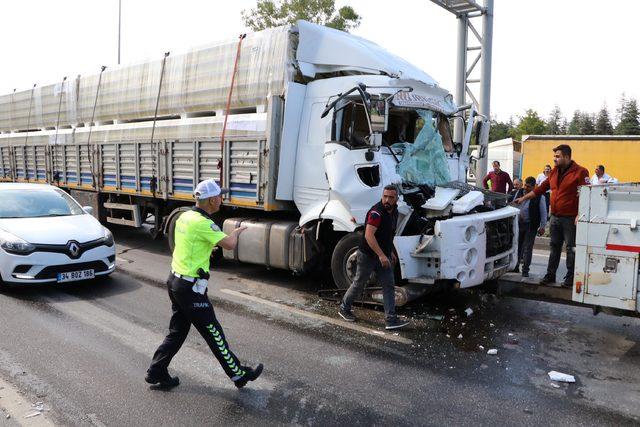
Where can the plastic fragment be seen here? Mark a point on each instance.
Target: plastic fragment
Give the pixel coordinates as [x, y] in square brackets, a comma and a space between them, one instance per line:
[469, 311]
[560, 377]
[492, 351]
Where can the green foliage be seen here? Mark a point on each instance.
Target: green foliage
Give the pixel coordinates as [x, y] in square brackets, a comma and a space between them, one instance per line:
[629, 118]
[554, 123]
[587, 127]
[530, 124]
[273, 13]
[603, 122]
[499, 130]
[575, 123]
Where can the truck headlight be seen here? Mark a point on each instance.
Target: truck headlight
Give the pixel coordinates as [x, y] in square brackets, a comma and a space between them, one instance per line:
[108, 237]
[470, 256]
[470, 233]
[15, 245]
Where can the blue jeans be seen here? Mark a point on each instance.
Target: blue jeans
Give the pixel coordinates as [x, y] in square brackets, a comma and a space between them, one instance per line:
[366, 264]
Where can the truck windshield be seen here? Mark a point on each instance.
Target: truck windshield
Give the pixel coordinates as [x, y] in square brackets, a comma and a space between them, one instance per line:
[351, 126]
[405, 125]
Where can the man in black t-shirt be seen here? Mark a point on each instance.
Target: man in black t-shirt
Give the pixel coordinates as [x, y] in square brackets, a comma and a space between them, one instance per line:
[376, 254]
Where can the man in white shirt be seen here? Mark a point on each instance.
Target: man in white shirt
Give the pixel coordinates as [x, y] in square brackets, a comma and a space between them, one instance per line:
[542, 178]
[600, 177]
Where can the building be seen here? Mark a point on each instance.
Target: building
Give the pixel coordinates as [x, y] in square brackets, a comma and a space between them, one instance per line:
[619, 154]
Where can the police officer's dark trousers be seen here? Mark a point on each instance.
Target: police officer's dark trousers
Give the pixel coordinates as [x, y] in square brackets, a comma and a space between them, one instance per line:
[191, 308]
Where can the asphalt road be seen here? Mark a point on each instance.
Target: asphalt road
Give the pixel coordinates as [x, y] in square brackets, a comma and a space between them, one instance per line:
[83, 350]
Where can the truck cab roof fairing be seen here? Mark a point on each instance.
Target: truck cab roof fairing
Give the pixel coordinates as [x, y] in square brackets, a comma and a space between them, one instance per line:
[322, 50]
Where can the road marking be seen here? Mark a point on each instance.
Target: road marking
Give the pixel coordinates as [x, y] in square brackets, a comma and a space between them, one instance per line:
[316, 316]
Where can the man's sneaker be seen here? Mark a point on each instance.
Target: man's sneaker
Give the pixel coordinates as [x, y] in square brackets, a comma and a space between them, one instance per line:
[347, 315]
[251, 374]
[567, 284]
[396, 323]
[161, 381]
[525, 274]
[547, 281]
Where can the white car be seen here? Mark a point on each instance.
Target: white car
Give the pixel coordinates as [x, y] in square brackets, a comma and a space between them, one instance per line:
[46, 236]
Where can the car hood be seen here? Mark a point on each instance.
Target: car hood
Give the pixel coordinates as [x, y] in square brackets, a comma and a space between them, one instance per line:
[56, 230]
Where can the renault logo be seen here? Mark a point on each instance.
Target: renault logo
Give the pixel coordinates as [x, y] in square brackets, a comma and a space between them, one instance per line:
[74, 249]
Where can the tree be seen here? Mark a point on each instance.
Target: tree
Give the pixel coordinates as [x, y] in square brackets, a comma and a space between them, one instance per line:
[273, 13]
[530, 124]
[587, 126]
[554, 122]
[603, 122]
[629, 119]
[575, 123]
[500, 130]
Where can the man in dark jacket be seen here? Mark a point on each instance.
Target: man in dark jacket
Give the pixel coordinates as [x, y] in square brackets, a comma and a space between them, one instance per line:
[531, 222]
[376, 254]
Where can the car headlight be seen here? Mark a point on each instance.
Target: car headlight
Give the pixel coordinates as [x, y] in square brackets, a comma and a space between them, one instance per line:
[108, 237]
[14, 244]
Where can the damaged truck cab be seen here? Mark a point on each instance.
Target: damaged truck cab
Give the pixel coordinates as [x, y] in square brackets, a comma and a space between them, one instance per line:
[390, 131]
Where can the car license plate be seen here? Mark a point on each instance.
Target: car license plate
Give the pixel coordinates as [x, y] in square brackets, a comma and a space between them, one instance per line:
[72, 276]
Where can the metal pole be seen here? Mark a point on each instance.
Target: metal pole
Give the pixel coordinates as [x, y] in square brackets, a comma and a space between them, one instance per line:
[461, 75]
[119, 26]
[485, 77]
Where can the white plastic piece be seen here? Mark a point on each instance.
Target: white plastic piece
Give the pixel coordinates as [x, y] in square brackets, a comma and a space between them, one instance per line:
[560, 377]
[467, 202]
[469, 311]
[460, 336]
[442, 199]
[492, 351]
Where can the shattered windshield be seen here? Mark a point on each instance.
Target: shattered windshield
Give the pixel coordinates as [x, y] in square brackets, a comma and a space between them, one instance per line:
[405, 124]
[424, 161]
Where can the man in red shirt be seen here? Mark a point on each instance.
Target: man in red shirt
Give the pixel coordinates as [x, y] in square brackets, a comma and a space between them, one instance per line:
[499, 179]
[563, 181]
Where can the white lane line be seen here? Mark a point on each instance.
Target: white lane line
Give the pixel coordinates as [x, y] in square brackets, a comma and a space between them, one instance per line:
[316, 316]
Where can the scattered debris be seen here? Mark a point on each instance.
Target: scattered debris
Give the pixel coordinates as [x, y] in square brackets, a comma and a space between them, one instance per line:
[492, 325]
[554, 385]
[510, 334]
[8, 416]
[460, 336]
[469, 311]
[560, 377]
[514, 341]
[463, 323]
[33, 414]
[527, 411]
[492, 351]
[438, 317]
[448, 336]
[481, 347]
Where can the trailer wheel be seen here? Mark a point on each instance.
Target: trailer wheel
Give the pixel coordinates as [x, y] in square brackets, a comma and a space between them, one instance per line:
[343, 260]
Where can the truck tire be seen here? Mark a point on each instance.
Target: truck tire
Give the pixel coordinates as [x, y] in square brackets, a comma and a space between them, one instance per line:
[343, 259]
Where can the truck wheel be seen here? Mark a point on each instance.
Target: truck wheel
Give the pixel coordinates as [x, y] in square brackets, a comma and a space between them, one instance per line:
[343, 260]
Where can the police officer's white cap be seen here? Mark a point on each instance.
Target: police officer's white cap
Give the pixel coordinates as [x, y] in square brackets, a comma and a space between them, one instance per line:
[208, 188]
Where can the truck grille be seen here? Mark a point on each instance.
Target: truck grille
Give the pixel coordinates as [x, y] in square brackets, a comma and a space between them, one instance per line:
[499, 236]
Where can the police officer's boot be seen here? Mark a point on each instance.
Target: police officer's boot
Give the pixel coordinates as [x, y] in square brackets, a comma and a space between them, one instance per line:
[251, 374]
[161, 381]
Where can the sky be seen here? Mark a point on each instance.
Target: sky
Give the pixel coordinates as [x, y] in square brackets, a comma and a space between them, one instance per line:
[578, 54]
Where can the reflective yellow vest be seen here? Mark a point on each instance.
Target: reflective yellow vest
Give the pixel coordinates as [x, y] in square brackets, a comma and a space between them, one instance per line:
[195, 237]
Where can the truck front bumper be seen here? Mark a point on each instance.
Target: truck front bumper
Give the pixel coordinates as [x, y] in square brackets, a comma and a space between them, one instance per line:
[469, 249]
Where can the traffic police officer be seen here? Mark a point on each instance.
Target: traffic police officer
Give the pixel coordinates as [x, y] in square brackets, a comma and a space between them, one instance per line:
[195, 237]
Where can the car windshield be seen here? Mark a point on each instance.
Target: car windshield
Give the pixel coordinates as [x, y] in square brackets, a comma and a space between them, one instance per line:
[37, 203]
